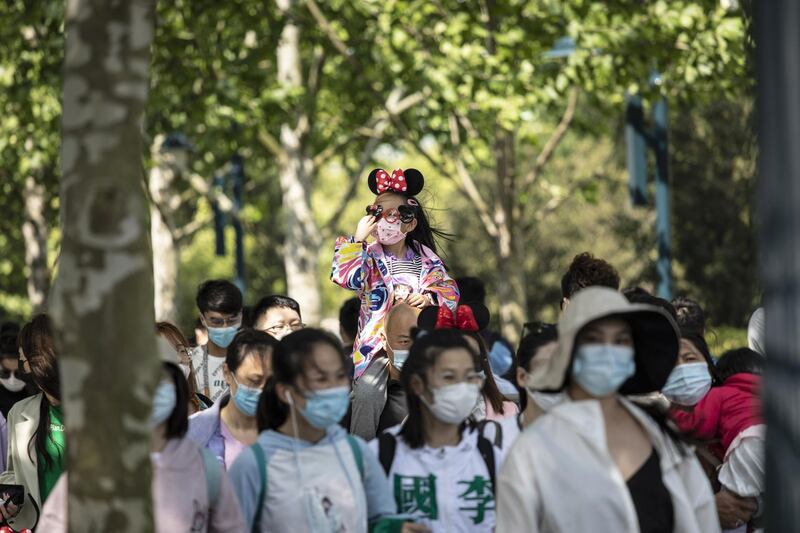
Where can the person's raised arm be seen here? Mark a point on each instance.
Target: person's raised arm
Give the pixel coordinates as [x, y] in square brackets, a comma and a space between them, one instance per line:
[350, 266]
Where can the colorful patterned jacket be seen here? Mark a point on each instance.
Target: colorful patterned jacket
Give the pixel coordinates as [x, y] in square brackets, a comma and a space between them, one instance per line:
[363, 268]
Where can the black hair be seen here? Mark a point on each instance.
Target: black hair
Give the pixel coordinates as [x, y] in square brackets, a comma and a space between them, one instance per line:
[489, 389]
[9, 331]
[38, 346]
[246, 343]
[247, 316]
[289, 360]
[424, 233]
[586, 271]
[740, 361]
[699, 342]
[637, 295]
[423, 354]
[220, 296]
[690, 315]
[526, 351]
[178, 421]
[271, 302]
[472, 289]
[348, 316]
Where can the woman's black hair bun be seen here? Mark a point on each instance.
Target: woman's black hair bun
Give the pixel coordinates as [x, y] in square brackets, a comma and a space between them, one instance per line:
[427, 318]
[414, 182]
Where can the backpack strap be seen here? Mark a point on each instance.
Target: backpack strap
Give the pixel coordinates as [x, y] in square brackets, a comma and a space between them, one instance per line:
[213, 472]
[261, 464]
[487, 453]
[498, 432]
[387, 446]
[351, 440]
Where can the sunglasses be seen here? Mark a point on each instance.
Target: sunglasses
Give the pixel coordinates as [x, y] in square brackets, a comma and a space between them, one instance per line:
[405, 213]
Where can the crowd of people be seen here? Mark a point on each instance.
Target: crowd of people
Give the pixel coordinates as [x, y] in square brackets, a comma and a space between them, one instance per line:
[418, 417]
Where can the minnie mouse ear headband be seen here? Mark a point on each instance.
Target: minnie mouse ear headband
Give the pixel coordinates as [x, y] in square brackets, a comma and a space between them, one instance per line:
[472, 317]
[408, 182]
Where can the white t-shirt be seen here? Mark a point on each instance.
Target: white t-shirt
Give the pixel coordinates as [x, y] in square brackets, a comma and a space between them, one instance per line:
[206, 365]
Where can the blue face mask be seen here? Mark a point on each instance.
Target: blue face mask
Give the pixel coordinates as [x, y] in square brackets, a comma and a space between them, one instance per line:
[399, 358]
[164, 402]
[500, 358]
[222, 337]
[687, 384]
[601, 369]
[327, 407]
[246, 398]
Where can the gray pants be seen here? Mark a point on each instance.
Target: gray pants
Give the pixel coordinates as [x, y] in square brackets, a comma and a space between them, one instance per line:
[369, 398]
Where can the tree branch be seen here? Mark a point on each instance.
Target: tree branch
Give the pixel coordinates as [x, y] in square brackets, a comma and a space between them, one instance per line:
[468, 184]
[215, 195]
[305, 122]
[326, 27]
[394, 105]
[187, 232]
[555, 139]
[269, 142]
[355, 177]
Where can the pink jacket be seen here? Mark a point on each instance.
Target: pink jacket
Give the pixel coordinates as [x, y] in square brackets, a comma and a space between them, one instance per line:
[725, 411]
[180, 496]
[363, 268]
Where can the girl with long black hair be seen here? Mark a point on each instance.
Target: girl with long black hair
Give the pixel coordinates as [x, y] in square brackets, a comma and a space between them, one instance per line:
[401, 266]
[442, 467]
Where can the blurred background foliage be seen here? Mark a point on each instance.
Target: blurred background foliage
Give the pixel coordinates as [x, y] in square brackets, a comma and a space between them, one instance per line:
[484, 65]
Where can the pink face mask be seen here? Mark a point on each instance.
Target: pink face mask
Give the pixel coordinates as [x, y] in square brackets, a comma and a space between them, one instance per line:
[389, 232]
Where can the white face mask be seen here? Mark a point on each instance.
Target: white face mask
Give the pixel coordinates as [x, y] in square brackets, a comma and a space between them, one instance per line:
[688, 384]
[544, 400]
[452, 404]
[12, 383]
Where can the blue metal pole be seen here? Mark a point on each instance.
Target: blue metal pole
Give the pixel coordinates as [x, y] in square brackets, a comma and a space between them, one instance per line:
[219, 218]
[237, 175]
[663, 223]
[636, 150]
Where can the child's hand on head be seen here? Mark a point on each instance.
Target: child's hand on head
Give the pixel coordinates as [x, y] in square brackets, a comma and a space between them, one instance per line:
[365, 227]
[417, 300]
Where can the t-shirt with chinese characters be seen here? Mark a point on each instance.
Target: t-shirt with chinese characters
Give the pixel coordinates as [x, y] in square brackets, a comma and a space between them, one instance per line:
[54, 447]
[210, 367]
[447, 489]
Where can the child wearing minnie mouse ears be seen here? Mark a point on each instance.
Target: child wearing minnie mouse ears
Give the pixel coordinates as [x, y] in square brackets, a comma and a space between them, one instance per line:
[401, 265]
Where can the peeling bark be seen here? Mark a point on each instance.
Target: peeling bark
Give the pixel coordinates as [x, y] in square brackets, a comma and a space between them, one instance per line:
[34, 230]
[162, 233]
[301, 256]
[102, 299]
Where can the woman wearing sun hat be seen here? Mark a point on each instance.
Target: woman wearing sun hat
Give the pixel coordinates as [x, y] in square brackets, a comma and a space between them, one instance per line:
[597, 463]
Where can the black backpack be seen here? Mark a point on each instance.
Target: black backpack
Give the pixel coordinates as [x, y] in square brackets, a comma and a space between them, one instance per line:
[387, 447]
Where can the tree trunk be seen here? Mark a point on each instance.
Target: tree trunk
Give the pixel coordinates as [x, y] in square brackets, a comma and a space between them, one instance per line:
[302, 244]
[510, 256]
[103, 294]
[166, 254]
[778, 67]
[34, 229]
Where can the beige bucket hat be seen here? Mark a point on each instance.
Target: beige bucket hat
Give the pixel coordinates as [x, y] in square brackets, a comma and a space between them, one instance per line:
[655, 337]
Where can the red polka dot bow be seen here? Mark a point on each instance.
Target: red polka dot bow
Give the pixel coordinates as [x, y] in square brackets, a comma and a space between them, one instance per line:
[396, 182]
